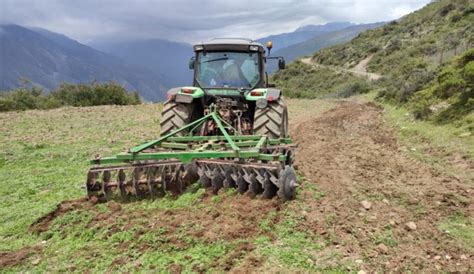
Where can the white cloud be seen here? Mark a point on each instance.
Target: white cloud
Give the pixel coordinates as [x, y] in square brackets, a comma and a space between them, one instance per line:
[193, 20]
[400, 11]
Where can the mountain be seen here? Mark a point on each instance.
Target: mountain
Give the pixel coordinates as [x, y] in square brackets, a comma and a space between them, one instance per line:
[319, 41]
[170, 59]
[47, 59]
[166, 58]
[412, 51]
[302, 34]
[327, 39]
[333, 26]
[426, 60]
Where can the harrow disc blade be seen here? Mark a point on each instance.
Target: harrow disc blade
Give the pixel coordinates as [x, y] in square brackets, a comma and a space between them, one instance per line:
[203, 176]
[133, 182]
[121, 182]
[269, 189]
[138, 189]
[190, 175]
[149, 180]
[173, 181]
[229, 182]
[216, 181]
[287, 183]
[205, 181]
[108, 186]
[255, 187]
[242, 185]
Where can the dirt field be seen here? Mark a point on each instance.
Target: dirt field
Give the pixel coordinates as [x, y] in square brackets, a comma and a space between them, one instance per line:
[381, 206]
[364, 204]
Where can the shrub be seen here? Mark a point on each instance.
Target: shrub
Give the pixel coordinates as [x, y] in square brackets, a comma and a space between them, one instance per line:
[6, 104]
[93, 94]
[421, 103]
[454, 85]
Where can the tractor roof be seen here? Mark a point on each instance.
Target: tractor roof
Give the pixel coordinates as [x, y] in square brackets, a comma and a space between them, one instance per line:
[231, 44]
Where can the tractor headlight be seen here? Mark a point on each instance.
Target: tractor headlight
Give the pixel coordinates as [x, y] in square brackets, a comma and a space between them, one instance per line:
[198, 47]
[261, 103]
[254, 48]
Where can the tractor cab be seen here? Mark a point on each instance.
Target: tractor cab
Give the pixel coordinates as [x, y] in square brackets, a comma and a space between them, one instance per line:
[231, 64]
[229, 78]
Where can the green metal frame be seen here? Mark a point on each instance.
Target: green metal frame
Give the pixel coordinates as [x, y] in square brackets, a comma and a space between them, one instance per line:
[186, 149]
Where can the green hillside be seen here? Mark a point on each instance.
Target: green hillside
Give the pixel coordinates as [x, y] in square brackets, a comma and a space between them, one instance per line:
[450, 96]
[300, 80]
[424, 60]
[309, 46]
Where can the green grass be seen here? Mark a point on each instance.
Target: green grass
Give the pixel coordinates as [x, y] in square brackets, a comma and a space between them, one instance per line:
[291, 245]
[45, 157]
[43, 161]
[442, 145]
[386, 237]
[436, 144]
[300, 80]
[460, 228]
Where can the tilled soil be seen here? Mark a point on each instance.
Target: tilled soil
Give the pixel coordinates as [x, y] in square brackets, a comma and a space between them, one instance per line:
[16, 257]
[380, 211]
[374, 190]
[43, 223]
[234, 218]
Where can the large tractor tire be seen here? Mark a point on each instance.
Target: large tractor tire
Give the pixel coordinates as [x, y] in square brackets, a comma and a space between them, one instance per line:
[174, 116]
[272, 120]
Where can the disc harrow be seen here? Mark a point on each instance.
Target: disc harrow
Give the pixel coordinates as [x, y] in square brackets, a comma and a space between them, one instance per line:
[251, 164]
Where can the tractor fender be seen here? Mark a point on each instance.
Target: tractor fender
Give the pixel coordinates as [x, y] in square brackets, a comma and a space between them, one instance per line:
[267, 94]
[273, 94]
[172, 92]
[184, 94]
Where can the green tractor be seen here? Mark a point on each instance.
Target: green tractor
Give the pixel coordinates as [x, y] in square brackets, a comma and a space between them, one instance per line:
[228, 130]
[229, 74]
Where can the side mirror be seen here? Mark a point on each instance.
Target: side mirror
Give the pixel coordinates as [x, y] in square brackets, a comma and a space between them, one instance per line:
[191, 63]
[281, 63]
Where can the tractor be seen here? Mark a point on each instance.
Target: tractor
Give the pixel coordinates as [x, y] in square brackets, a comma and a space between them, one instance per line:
[228, 130]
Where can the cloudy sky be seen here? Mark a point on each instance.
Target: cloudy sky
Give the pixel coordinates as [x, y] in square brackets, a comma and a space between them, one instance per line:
[193, 20]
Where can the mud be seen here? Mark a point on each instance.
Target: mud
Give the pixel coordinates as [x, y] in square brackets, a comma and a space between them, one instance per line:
[352, 156]
[12, 258]
[234, 217]
[43, 223]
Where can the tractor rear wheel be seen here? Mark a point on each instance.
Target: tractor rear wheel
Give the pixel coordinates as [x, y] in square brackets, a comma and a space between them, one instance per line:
[174, 116]
[271, 121]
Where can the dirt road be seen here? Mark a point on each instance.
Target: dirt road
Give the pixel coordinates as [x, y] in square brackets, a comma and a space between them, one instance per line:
[380, 205]
[359, 70]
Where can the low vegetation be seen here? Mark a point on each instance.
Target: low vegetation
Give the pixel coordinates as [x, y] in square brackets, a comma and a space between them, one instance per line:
[425, 59]
[449, 97]
[409, 51]
[93, 94]
[301, 80]
[45, 161]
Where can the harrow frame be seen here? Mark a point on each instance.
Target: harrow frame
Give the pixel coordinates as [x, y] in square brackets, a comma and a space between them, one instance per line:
[188, 148]
[253, 163]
